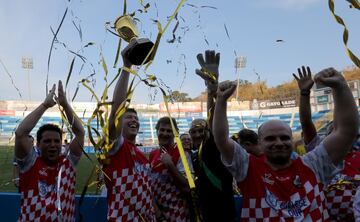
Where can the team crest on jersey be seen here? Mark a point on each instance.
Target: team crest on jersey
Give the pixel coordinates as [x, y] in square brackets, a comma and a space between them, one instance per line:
[291, 208]
[44, 188]
[138, 167]
[266, 179]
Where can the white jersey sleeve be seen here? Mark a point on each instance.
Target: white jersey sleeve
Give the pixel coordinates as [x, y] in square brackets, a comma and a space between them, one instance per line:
[313, 143]
[240, 163]
[321, 164]
[27, 162]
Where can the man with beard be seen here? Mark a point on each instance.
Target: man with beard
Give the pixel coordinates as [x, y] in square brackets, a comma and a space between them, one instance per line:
[276, 187]
[342, 187]
[214, 182]
[127, 176]
[169, 182]
[47, 180]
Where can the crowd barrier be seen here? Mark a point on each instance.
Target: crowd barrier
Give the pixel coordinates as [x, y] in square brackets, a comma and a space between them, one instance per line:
[92, 209]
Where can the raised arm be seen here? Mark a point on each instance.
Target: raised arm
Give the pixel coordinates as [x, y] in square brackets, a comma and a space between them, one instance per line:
[23, 144]
[220, 123]
[346, 120]
[209, 72]
[119, 95]
[305, 83]
[77, 144]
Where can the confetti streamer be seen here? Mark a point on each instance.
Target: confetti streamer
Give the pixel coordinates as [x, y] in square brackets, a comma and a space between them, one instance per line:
[181, 61]
[12, 137]
[206, 6]
[227, 32]
[354, 4]
[70, 71]
[51, 48]
[339, 20]
[78, 28]
[11, 79]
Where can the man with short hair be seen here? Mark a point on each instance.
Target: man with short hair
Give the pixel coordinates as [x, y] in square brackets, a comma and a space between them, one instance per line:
[186, 142]
[276, 187]
[169, 180]
[249, 140]
[127, 176]
[47, 181]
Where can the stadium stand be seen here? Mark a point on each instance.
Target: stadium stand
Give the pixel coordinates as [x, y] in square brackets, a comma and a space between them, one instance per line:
[147, 135]
[239, 116]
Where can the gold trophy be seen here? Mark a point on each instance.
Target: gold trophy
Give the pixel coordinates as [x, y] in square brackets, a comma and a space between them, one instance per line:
[127, 30]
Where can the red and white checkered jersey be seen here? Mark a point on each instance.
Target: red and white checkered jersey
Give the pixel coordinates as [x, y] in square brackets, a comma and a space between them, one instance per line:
[294, 193]
[342, 188]
[168, 197]
[291, 194]
[129, 194]
[41, 194]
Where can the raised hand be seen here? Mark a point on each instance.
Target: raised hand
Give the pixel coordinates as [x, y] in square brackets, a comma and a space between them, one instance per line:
[304, 79]
[330, 77]
[209, 69]
[125, 53]
[226, 89]
[61, 95]
[50, 98]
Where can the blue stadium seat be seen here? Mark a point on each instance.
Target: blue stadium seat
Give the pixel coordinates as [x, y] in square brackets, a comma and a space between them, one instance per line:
[147, 132]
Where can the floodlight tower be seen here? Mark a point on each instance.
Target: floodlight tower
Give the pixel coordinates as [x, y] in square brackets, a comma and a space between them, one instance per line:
[27, 63]
[240, 62]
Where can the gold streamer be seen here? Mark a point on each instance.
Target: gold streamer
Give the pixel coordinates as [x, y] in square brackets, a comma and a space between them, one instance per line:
[339, 20]
[354, 4]
[339, 185]
[161, 31]
[179, 145]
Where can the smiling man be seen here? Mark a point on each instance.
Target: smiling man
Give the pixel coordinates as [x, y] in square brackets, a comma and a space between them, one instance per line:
[169, 181]
[47, 181]
[186, 142]
[275, 187]
[127, 176]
